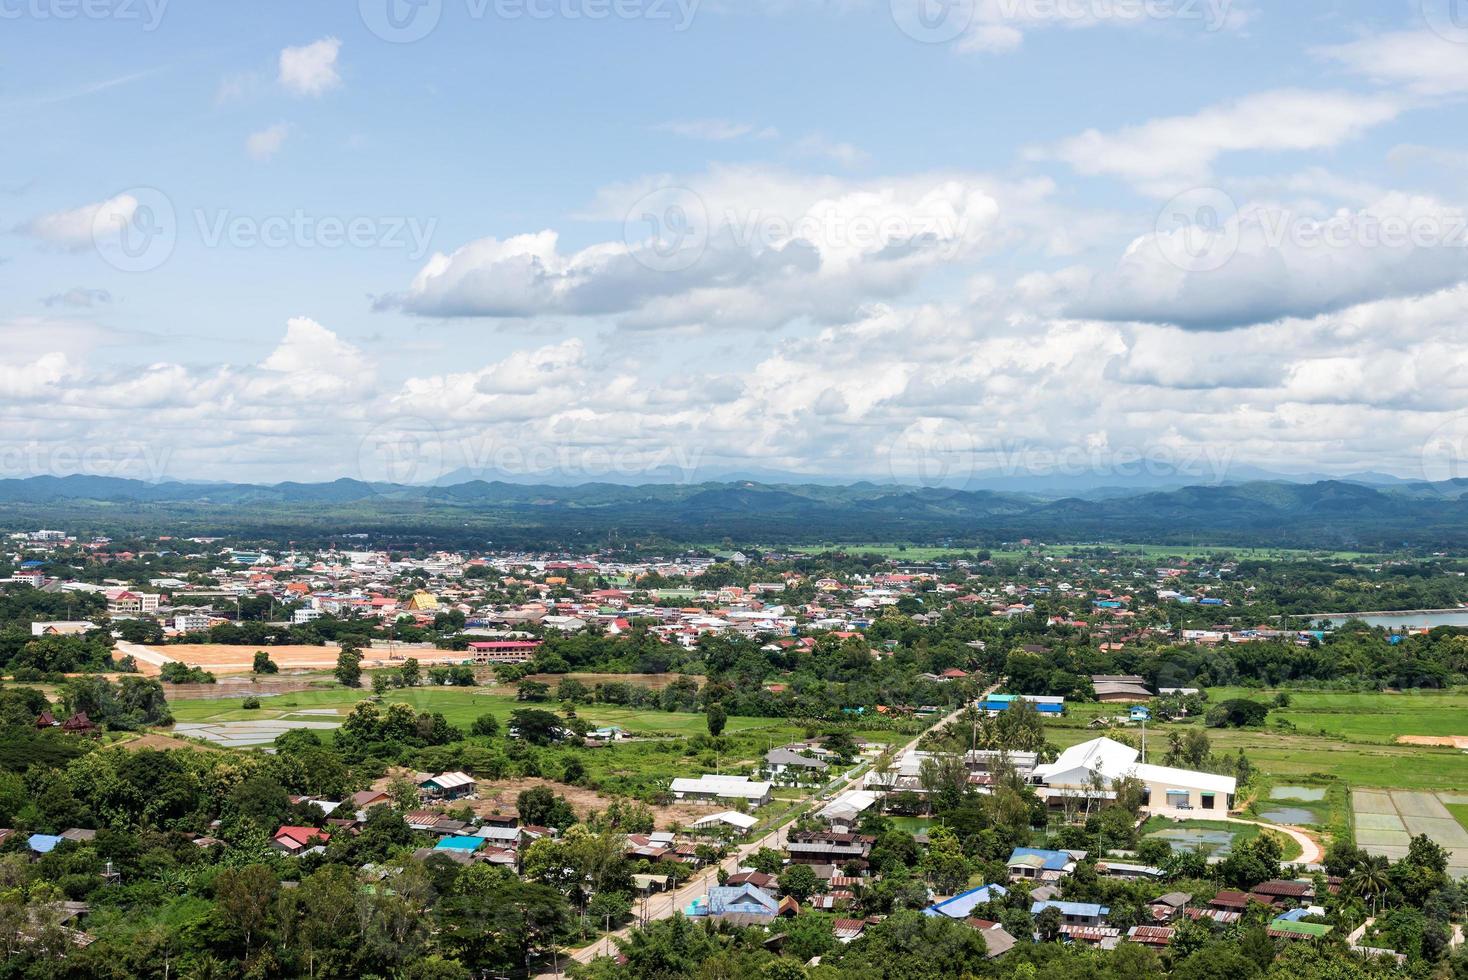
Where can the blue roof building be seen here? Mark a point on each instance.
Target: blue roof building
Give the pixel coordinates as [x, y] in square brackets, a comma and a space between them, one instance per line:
[459, 844]
[1074, 913]
[743, 899]
[962, 906]
[43, 843]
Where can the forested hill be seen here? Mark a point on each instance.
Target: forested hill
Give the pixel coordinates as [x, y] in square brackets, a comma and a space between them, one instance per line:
[1334, 514]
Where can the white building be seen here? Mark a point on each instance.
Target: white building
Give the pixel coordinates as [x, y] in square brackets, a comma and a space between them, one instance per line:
[1167, 790]
[708, 788]
[190, 621]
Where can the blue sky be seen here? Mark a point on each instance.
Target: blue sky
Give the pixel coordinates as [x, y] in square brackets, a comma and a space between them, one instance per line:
[906, 239]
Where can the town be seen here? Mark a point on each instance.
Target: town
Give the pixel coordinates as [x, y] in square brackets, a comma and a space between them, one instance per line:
[562, 763]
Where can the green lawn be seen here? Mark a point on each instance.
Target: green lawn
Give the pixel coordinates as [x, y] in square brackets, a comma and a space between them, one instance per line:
[1459, 812]
[460, 706]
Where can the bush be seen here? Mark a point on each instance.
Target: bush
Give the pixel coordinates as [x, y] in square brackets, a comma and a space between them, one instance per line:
[1238, 713]
[250, 703]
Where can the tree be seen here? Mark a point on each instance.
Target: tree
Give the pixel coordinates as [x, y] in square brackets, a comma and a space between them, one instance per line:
[799, 882]
[540, 807]
[1048, 923]
[485, 726]
[1369, 881]
[536, 726]
[381, 684]
[528, 690]
[349, 667]
[716, 719]
[410, 673]
[263, 664]
[245, 897]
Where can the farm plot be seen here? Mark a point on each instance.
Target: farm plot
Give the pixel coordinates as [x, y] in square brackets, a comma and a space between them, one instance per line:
[1386, 821]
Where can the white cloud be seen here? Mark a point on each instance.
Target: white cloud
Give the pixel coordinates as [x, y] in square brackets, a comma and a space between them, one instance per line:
[756, 246]
[1421, 62]
[310, 70]
[266, 143]
[846, 154]
[1268, 262]
[717, 130]
[74, 229]
[1168, 155]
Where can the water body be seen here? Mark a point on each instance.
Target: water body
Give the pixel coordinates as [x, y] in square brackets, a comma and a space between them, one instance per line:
[1401, 620]
[1215, 843]
[1288, 814]
[1305, 794]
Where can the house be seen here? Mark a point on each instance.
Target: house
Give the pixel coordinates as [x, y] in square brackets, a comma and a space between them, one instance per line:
[503, 651]
[1166, 907]
[62, 628]
[779, 762]
[1120, 687]
[756, 878]
[298, 840]
[447, 786]
[467, 845]
[500, 835]
[846, 809]
[80, 724]
[961, 906]
[1074, 913]
[848, 930]
[1042, 865]
[1158, 937]
[741, 900]
[1129, 872]
[1139, 712]
[367, 799]
[707, 789]
[1277, 892]
[43, 843]
[1229, 901]
[997, 941]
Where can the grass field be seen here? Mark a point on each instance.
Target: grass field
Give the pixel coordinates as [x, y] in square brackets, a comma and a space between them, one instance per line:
[460, 706]
[1373, 718]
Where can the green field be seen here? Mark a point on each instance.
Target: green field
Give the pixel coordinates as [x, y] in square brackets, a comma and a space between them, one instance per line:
[1356, 749]
[460, 706]
[1374, 718]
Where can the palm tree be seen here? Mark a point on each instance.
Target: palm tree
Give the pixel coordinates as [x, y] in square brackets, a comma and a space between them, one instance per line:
[1369, 881]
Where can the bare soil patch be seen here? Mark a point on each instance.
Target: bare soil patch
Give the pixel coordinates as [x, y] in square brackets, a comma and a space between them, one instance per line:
[229, 658]
[1451, 741]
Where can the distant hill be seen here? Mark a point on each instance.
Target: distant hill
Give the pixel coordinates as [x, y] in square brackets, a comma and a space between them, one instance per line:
[1326, 513]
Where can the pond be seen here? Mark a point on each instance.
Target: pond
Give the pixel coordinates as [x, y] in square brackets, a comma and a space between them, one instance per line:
[1205, 842]
[1306, 794]
[1289, 815]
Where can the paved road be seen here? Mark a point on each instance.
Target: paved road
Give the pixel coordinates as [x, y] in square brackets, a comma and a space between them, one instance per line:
[144, 654]
[664, 905]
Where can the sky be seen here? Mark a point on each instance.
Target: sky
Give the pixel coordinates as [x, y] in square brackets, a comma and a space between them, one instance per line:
[929, 241]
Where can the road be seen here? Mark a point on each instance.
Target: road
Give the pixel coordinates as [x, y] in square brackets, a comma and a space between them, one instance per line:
[663, 906]
[143, 654]
[1310, 852]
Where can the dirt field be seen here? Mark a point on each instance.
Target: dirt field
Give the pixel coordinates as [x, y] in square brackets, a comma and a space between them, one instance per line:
[655, 681]
[1453, 741]
[224, 658]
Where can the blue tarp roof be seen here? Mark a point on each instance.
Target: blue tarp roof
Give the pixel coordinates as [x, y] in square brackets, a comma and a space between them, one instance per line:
[1293, 915]
[43, 843]
[961, 906]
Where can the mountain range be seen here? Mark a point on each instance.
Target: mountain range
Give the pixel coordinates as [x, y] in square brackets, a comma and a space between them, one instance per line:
[1324, 514]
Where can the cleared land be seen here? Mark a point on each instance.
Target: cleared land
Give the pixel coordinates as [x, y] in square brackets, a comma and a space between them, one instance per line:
[223, 658]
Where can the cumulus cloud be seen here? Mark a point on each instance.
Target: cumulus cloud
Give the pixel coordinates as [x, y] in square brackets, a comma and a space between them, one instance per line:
[726, 243]
[1267, 262]
[310, 70]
